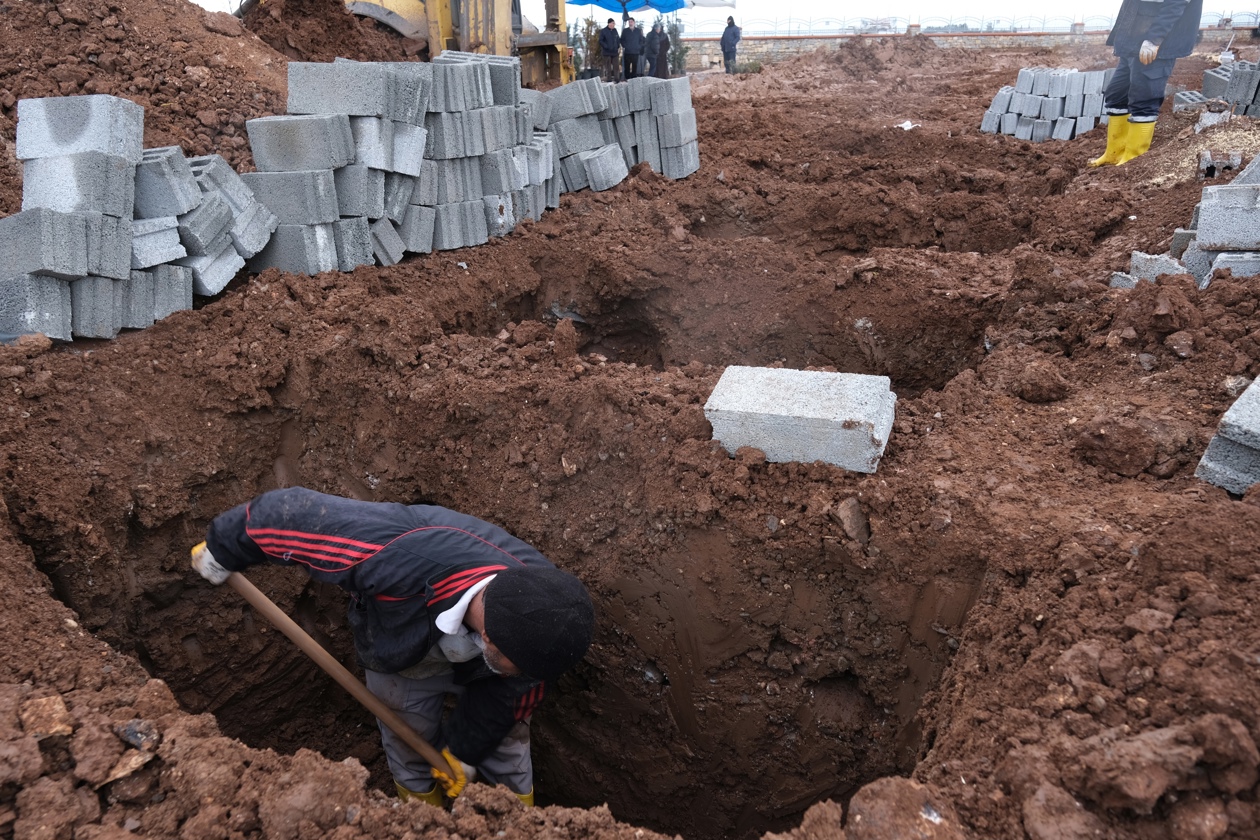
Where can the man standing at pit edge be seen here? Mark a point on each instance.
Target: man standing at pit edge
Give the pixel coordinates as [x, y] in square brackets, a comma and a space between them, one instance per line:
[440, 604]
[1148, 38]
[609, 44]
[730, 38]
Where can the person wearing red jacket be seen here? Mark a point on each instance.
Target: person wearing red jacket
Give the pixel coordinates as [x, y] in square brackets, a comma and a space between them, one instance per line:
[441, 604]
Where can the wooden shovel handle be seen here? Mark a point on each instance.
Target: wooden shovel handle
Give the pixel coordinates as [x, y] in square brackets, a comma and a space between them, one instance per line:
[336, 670]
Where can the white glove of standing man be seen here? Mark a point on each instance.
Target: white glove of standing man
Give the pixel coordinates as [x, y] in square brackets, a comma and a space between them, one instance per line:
[1148, 53]
[205, 564]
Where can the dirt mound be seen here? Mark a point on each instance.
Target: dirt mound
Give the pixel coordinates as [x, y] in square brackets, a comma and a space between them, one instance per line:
[1033, 608]
[321, 30]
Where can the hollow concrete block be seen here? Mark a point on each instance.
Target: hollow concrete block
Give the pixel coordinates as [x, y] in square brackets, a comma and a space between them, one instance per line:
[373, 142]
[353, 88]
[291, 143]
[416, 229]
[795, 415]
[386, 243]
[296, 197]
[46, 242]
[213, 270]
[300, 249]
[88, 181]
[353, 239]
[68, 125]
[155, 241]
[165, 184]
[96, 307]
[30, 303]
[605, 167]
[1229, 218]
[135, 307]
[172, 289]
[360, 191]
[205, 224]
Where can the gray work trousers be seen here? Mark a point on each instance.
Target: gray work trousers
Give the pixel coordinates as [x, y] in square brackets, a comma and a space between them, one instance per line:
[419, 703]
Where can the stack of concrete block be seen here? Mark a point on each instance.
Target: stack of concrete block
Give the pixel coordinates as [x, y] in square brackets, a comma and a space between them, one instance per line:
[67, 254]
[180, 224]
[675, 127]
[797, 415]
[1224, 232]
[1048, 104]
[1232, 458]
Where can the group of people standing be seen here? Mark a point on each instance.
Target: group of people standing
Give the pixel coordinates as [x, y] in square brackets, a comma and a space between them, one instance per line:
[640, 55]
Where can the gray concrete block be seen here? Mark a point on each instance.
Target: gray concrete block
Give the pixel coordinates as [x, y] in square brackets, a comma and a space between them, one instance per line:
[88, 181]
[609, 131]
[500, 215]
[1095, 82]
[681, 161]
[574, 100]
[1002, 99]
[1181, 239]
[155, 241]
[647, 140]
[409, 143]
[1152, 266]
[96, 307]
[445, 136]
[1010, 122]
[1240, 263]
[605, 167]
[299, 249]
[1084, 124]
[1188, 100]
[172, 289]
[1229, 465]
[1215, 82]
[1075, 83]
[386, 243]
[360, 191]
[1041, 130]
[497, 172]
[1121, 280]
[68, 125]
[672, 96]
[639, 92]
[1241, 421]
[398, 192]
[1073, 105]
[1229, 218]
[1063, 128]
[1198, 261]
[426, 189]
[553, 187]
[577, 135]
[251, 230]
[1024, 128]
[213, 270]
[498, 127]
[1041, 81]
[109, 246]
[1024, 80]
[1241, 89]
[409, 90]
[354, 88]
[1031, 105]
[373, 142]
[416, 229]
[524, 125]
[796, 415]
[46, 242]
[296, 197]
[1092, 105]
[290, 143]
[201, 227]
[353, 240]
[539, 107]
[165, 185]
[1051, 109]
[136, 301]
[539, 161]
[459, 225]
[1250, 174]
[676, 129]
[1058, 84]
[30, 303]
[216, 175]
[573, 170]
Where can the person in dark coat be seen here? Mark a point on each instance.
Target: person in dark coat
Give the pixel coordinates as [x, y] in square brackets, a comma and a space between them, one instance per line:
[631, 49]
[652, 49]
[730, 37]
[662, 55]
[441, 603]
[609, 44]
[1148, 38]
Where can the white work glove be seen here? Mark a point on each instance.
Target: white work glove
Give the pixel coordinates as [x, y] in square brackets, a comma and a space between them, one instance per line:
[205, 564]
[1148, 53]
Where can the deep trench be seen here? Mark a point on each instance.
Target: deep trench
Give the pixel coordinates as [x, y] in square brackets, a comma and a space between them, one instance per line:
[655, 706]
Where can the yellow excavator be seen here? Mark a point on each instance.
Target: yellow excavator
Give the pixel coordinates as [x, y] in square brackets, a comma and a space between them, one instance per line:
[493, 27]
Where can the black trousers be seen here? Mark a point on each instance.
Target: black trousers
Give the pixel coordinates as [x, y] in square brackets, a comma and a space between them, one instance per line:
[1137, 89]
[630, 64]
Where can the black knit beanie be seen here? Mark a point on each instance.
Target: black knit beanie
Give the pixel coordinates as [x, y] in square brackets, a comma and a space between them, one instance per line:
[540, 618]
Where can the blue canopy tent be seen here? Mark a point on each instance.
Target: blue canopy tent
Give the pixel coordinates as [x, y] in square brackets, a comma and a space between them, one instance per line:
[663, 7]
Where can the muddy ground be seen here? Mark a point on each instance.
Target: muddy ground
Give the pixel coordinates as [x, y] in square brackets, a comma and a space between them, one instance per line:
[1031, 621]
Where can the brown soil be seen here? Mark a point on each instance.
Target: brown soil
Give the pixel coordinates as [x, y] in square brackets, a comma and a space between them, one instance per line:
[1033, 620]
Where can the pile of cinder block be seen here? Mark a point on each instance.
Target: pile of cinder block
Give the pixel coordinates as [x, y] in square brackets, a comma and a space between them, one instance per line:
[1236, 83]
[1048, 104]
[1232, 458]
[802, 415]
[1224, 232]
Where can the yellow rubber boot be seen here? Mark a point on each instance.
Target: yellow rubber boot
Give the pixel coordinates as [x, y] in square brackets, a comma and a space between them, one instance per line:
[1117, 134]
[1137, 141]
[527, 798]
[432, 797]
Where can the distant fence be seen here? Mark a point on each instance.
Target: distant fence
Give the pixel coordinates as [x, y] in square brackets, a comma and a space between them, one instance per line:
[806, 27]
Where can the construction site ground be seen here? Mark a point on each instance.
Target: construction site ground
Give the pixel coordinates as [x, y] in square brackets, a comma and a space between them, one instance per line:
[1033, 620]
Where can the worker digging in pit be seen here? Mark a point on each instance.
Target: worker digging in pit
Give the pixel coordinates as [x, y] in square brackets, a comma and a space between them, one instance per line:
[441, 604]
[1148, 38]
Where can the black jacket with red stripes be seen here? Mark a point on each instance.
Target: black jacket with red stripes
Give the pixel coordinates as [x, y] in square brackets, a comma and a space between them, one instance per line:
[403, 565]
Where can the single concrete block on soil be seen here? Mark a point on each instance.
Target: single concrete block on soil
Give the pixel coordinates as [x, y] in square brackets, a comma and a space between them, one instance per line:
[96, 310]
[30, 303]
[68, 125]
[300, 249]
[796, 415]
[155, 241]
[1229, 218]
[1151, 267]
[1239, 263]
[605, 168]
[165, 184]
[416, 229]
[46, 242]
[1232, 459]
[296, 197]
[289, 143]
[1063, 128]
[88, 181]
[213, 270]
[386, 243]
[353, 238]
